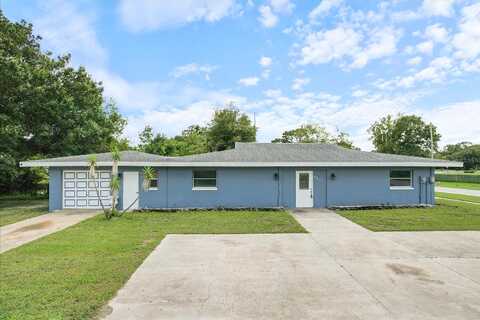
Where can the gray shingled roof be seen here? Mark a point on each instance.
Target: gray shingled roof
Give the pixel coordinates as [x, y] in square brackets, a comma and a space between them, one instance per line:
[127, 156]
[260, 153]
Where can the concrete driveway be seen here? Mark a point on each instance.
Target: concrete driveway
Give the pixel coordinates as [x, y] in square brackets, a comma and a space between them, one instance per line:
[338, 271]
[17, 234]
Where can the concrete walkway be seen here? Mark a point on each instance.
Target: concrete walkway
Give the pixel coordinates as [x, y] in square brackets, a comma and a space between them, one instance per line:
[338, 271]
[17, 234]
[467, 192]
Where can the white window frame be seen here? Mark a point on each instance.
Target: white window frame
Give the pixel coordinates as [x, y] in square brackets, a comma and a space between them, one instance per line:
[156, 178]
[410, 187]
[203, 188]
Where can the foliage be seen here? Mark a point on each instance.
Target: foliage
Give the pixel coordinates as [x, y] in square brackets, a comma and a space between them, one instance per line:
[406, 134]
[466, 152]
[227, 127]
[48, 108]
[148, 175]
[309, 133]
[72, 273]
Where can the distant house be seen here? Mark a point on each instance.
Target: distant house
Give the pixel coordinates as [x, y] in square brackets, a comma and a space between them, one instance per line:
[251, 175]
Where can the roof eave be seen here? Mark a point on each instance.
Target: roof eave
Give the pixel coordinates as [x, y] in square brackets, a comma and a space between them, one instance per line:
[429, 164]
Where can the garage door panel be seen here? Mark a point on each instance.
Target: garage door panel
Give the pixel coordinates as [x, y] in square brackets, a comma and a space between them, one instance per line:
[80, 190]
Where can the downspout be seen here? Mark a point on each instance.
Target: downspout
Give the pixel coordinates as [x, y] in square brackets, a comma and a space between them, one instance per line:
[167, 187]
[419, 190]
[278, 187]
[326, 188]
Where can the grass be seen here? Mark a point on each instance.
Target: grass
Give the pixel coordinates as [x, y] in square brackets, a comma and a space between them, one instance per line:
[12, 211]
[71, 274]
[460, 185]
[445, 216]
[458, 197]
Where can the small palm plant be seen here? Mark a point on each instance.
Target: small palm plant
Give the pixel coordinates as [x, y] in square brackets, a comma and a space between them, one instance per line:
[92, 174]
[115, 180]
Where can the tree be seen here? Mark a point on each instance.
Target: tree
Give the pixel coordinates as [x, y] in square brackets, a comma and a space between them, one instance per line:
[47, 108]
[406, 134]
[227, 127]
[310, 133]
[466, 152]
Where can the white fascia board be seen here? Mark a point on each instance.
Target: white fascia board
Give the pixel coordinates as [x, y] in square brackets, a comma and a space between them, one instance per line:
[449, 164]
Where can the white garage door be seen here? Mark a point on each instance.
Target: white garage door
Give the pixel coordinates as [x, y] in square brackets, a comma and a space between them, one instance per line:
[79, 189]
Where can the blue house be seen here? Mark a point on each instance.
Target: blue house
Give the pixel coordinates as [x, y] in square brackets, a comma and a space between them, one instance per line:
[253, 175]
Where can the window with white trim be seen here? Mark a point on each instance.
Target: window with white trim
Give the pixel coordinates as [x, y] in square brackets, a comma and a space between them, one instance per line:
[400, 179]
[204, 180]
[153, 183]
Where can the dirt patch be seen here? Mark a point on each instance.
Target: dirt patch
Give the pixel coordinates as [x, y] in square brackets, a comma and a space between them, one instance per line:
[35, 226]
[403, 269]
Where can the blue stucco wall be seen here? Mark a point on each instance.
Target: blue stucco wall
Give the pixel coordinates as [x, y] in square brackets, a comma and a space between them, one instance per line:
[257, 187]
[54, 189]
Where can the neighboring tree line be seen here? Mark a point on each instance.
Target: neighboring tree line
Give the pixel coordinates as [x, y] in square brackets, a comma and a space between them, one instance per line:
[47, 108]
[227, 126]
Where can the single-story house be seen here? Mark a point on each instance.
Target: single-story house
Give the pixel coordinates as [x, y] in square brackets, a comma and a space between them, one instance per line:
[254, 175]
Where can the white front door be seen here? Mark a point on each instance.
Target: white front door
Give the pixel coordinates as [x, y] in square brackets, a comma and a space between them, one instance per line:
[130, 190]
[304, 189]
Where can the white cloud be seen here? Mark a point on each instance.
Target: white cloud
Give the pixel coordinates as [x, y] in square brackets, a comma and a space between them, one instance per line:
[193, 68]
[414, 61]
[299, 83]
[323, 8]
[425, 47]
[456, 122]
[69, 31]
[141, 15]
[282, 6]
[436, 72]
[467, 41]
[359, 93]
[382, 43]
[438, 7]
[436, 33]
[325, 46]
[405, 16]
[249, 82]
[344, 42]
[267, 18]
[265, 62]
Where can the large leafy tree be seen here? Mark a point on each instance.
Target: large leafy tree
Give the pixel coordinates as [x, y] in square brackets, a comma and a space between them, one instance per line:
[466, 152]
[309, 133]
[47, 107]
[193, 140]
[228, 126]
[406, 134]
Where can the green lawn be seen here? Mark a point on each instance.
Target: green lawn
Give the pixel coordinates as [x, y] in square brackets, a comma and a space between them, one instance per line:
[461, 185]
[15, 210]
[446, 215]
[73, 273]
[457, 197]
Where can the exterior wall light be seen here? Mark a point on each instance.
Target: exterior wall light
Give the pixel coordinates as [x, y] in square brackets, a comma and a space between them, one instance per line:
[332, 176]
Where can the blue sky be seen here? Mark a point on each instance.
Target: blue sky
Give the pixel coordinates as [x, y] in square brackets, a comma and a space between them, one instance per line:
[340, 64]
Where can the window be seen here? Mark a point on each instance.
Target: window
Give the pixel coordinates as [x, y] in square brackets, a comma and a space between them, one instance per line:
[400, 179]
[304, 181]
[153, 185]
[204, 180]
